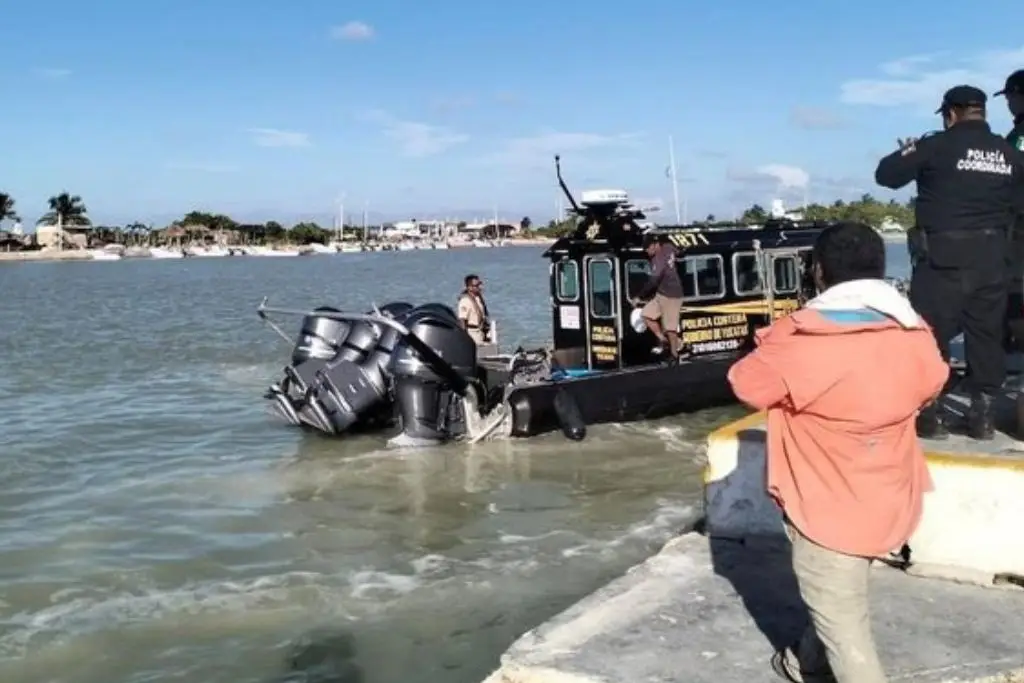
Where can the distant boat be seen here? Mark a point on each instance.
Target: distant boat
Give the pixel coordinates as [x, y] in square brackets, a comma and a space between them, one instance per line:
[104, 255]
[207, 252]
[164, 253]
[267, 251]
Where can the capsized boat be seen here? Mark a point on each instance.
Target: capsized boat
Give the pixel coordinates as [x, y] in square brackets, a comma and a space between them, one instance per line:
[412, 368]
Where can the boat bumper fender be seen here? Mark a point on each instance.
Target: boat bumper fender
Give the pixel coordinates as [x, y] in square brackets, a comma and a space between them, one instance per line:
[570, 419]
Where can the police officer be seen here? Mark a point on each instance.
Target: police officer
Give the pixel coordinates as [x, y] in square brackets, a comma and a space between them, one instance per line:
[966, 178]
[1014, 92]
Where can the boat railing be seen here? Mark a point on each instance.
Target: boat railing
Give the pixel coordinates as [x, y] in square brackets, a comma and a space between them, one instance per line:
[426, 354]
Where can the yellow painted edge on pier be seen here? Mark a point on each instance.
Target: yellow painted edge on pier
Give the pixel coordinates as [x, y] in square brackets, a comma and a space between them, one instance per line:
[732, 429]
[974, 460]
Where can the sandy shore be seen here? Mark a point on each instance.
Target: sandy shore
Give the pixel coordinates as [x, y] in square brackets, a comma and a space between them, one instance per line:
[20, 256]
[141, 252]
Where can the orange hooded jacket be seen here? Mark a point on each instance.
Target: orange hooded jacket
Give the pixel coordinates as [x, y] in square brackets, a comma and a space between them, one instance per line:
[842, 389]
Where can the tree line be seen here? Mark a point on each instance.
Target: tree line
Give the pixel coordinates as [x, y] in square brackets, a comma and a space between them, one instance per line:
[866, 209]
[70, 211]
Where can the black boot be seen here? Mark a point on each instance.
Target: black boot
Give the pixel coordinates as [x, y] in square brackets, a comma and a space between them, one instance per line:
[931, 423]
[1020, 414]
[981, 419]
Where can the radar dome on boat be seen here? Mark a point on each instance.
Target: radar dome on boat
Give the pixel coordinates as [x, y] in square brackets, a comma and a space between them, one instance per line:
[596, 197]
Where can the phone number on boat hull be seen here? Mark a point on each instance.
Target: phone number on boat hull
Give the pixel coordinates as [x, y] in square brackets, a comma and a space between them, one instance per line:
[712, 347]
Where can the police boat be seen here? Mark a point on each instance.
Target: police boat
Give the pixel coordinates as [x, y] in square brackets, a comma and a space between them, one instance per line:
[410, 370]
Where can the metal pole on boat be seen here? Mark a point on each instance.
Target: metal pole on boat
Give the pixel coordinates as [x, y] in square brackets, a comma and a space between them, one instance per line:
[680, 220]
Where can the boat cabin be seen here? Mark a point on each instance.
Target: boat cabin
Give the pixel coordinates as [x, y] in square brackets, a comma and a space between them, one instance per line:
[736, 278]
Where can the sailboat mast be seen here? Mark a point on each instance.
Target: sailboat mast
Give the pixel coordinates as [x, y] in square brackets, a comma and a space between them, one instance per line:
[680, 220]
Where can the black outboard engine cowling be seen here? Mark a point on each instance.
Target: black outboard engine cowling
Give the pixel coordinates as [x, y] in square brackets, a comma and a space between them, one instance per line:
[396, 309]
[345, 392]
[319, 340]
[320, 337]
[425, 394]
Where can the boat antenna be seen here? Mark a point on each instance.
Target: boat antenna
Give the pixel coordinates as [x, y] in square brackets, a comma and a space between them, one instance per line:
[561, 183]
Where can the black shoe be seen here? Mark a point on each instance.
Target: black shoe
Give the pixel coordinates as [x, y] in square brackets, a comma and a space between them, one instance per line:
[981, 421]
[780, 663]
[931, 423]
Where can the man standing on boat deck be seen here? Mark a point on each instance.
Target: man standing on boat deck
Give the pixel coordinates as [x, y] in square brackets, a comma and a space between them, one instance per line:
[472, 310]
[661, 313]
[967, 179]
[842, 380]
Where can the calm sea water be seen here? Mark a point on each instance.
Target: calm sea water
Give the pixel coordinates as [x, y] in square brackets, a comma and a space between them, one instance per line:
[157, 524]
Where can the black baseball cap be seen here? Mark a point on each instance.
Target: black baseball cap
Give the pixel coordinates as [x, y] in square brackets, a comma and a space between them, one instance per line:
[962, 96]
[1014, 83]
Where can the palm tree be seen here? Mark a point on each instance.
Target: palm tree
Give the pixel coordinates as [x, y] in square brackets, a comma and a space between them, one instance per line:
[66, 210]
[7, 208]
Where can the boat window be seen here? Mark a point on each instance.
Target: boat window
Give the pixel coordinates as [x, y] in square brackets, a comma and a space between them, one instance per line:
[786, 274]
[567, 281]
[745, 276]
[601, 282]
[703, 277]
[637, 272]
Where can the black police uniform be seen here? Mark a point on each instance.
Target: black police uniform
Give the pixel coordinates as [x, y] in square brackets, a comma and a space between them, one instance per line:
[1014, 335]
[966, 179]
[1015, 85]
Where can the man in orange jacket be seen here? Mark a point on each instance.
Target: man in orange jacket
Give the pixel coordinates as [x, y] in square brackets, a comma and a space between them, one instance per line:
[843, 380]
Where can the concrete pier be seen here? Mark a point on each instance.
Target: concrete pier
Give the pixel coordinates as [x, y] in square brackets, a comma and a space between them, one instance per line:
[713, 606]
[708, 610]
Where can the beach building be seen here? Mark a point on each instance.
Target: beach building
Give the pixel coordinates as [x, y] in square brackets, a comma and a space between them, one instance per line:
[74, 236]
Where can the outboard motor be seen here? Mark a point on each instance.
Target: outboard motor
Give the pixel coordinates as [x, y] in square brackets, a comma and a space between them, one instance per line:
[320, 339]
[396, 309]
[440, 309]
[425, 395]
[344, 392]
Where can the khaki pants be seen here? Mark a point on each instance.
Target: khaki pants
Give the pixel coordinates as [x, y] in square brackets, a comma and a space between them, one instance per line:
[834, 587]
[477, 335]
[665, 310]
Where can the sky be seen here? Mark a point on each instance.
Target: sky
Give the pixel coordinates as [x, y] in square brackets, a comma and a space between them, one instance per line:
[287, 110]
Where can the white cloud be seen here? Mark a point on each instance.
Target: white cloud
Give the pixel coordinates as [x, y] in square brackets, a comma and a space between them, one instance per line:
[415, 138]
[353, 30]
[815, 118]
[51, 72]
[541, 148]
[272, 137]
[919, 81]
[780, 176]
